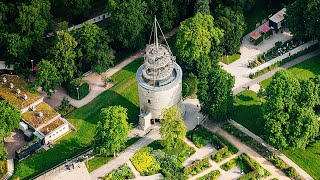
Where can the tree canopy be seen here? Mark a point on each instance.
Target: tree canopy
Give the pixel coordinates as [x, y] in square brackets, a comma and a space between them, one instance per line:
[127, 23]
[112, 130]
[63, 55]
[195, 38]
[215, 94]
[302, 17]
[47, 76]
[93, 44]
[202, 6]
[172, 128]
[290, 120]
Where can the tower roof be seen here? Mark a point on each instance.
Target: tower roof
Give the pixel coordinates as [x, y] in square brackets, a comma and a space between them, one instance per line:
[158, 60]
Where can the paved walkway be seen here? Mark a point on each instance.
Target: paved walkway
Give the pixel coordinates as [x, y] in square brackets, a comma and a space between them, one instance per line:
[200, 154]
[272, 149]
[95, 81]
[275, 172]
[79, 172]
[125, 156]
[272, 72]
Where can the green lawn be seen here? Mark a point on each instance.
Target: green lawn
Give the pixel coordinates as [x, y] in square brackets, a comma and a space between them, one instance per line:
[229, 59]
[308, 159]
[247, 111]
[306, 69]
[124, 93]
[99, 161]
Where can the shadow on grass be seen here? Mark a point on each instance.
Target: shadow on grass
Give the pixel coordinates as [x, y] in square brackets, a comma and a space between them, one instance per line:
[245, 98]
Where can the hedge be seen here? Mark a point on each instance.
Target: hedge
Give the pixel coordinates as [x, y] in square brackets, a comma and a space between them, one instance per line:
[72, 90]
[262, 150]
[212, 175]
[284, 61]
[197, 167]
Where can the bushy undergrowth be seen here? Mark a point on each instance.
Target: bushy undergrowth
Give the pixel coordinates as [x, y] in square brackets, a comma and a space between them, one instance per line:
[122, 173]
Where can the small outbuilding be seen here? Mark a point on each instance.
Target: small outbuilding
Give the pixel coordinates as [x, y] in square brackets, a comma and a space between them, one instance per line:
[277, 20]
[256, 38]
[265, 31]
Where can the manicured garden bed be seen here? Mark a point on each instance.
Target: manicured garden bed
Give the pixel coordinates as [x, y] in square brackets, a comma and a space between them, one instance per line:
[262, 150]
[210, 176]
[12, 97]
[250, 167]
[124, 93]
[65, 111]
[32, 118]
[197, 167]
[283, 61]
[122, 173]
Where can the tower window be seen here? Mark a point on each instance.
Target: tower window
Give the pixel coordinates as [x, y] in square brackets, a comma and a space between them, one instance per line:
[149, 101]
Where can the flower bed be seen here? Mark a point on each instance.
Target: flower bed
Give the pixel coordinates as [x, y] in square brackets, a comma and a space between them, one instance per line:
[210, 176]
[201, 136]
[3, 168]
[65, 111]
[279, 49]
[52, 126]
[262, 150]
[12, 97]
[32, 118]
[197, 167]
[122, 173]
[285, 60]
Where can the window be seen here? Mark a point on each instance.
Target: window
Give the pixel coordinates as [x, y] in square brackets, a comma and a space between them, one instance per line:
[149, 101]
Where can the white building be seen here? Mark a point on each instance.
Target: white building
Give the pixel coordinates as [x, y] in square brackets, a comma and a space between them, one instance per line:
[159, 82]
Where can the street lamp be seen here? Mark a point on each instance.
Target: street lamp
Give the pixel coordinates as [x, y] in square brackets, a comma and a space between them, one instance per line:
[198, 120]
[78, 92]
[31, 64]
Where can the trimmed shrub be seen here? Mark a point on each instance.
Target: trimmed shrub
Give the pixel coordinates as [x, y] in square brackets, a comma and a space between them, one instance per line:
[230, 164]
[291, 172]
[212, 175]
[72, 90]
[197, 167]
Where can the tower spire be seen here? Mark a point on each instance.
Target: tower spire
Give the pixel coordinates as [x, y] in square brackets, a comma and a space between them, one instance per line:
[156, 32]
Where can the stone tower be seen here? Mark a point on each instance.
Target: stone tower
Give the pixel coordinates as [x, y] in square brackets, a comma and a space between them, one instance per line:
[159, 81]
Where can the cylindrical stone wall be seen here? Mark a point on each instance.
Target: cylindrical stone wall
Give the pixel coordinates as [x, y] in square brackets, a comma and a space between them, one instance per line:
[154, 99]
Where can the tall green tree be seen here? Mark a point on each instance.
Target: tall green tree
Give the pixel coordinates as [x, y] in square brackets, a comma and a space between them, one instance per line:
[202, 6]
[172, 128]
[215, 94]
[288, 111]
[63, 55]
[232, 22]
[112, 130]
[166, 12]
[79, 7]
[47, 76]
[195, 38]
[93, 43]
[302, 18]
[127, 23]
[185, 8]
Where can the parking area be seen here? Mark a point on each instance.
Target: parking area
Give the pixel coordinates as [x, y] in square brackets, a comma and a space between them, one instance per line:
[14, 142]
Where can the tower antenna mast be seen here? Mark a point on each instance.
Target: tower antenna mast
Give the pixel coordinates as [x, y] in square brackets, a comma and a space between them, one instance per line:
[156, 32]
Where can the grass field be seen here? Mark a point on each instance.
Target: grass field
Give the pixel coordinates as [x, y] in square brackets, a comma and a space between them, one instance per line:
[229, 59]
[124, 93]
[247, 111]
[306, 69]
[99, 161]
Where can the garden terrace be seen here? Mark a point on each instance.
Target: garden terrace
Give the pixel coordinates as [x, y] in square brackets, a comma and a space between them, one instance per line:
[52, 126]
[12, 97]
[35, 121]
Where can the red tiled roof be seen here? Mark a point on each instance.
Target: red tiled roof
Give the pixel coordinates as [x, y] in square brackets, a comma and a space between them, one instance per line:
[264, 28]
[255, 35]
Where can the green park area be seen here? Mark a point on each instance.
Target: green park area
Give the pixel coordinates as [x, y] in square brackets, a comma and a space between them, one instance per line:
[248, 113]
[124, 93]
